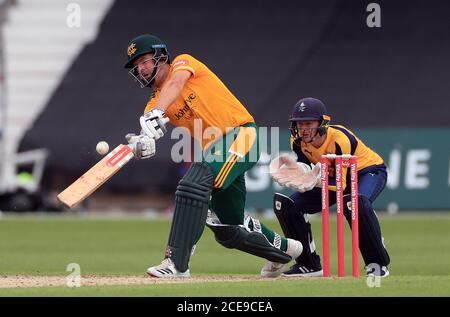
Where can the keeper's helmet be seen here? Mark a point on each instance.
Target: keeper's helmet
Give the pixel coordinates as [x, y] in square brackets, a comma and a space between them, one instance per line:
[309, 109]
[146, 44]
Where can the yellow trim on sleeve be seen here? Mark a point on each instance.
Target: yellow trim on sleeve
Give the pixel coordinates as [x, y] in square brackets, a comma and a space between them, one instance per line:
[190, 69]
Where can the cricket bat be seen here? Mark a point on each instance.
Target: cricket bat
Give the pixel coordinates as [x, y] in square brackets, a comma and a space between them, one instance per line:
[96, 176]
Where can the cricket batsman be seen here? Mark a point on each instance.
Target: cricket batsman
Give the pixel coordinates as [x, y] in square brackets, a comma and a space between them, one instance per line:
[189, 95]
[311, 137]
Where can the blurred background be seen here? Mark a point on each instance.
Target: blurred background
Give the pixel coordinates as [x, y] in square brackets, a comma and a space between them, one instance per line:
[63, 88]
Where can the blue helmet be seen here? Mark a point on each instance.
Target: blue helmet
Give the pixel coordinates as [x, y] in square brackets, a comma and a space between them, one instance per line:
[309, 109]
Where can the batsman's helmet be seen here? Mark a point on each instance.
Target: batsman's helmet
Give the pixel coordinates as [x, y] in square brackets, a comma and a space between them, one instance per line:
[146, 44]
[309, 109]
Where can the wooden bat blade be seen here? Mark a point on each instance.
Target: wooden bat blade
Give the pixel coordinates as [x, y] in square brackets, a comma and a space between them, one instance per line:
[96, 176]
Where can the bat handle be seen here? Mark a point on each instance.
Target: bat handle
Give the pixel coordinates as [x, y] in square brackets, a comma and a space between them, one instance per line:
[165, 120]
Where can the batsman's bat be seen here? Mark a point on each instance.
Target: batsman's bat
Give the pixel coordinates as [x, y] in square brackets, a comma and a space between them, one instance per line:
[96, 176]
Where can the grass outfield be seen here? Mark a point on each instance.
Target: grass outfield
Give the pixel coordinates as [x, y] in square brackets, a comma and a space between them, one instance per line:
[419, 246]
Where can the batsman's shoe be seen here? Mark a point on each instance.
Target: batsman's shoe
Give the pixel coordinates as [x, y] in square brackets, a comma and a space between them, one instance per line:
[298, 270]
[167, 270]
[374, 269]
[274, 269]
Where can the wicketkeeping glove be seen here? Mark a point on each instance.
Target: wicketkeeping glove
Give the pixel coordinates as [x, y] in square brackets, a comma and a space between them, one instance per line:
[285, 169]
[307, 181]
[295, 175]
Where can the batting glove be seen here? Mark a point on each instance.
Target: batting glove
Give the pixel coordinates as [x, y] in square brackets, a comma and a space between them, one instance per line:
[142, 145]
[153, 123]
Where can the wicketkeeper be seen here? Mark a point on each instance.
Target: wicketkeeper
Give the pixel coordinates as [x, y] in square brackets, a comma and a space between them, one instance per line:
[190, 95]
[311, 137]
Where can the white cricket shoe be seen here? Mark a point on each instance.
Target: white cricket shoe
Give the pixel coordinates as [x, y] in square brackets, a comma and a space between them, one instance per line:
[274, 269]
[167, 270]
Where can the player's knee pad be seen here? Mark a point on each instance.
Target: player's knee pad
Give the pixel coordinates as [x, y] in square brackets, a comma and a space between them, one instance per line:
[292, 221]
[197, 184]
[238, 237]
[282, 205]
[191, 208]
